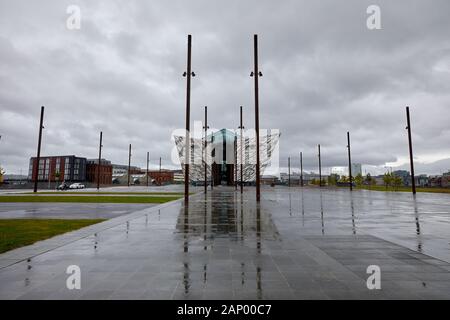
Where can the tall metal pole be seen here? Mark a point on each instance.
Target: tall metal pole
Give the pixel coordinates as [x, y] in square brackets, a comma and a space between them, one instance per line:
[148, 160]
[411, 159]
[129, 164]
[99, 160]
[205, 152]
[320, 168]
[38, 156]
[301, 169]
[241, 127]
[289, 171]
[188, 127]
[256, 75]
[350, 178]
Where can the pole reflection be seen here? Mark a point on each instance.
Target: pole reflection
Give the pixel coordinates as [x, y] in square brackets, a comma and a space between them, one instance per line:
[205, 221]
[242, 217]
[417, 222]
[352, 207]
[303, 209]
[321, 213]
[290, 204]
[258, 249]
[186, 281]
[229, 220]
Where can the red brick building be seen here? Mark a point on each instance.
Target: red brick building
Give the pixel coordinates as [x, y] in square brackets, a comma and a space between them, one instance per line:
[106, 170]
[161, 177]
[58, 168]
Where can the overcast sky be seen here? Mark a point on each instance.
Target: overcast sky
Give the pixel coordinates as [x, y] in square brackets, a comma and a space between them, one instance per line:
[324, 73]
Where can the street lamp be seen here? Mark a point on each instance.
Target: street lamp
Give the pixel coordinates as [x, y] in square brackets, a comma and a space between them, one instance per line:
[259, 74]
[188, 73]
[38, 156]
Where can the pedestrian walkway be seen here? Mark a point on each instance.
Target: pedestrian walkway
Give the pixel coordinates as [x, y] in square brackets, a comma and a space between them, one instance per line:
[297, 244]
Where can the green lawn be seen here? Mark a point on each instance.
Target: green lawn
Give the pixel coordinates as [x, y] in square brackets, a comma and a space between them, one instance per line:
[15, 233]
[88, 199]
[405, 189]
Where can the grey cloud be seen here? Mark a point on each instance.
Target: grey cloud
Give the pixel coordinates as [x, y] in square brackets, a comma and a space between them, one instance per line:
[324, 74]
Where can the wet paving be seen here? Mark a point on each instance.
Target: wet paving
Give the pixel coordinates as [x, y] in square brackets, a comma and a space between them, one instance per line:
[36, 210]
[297, 244]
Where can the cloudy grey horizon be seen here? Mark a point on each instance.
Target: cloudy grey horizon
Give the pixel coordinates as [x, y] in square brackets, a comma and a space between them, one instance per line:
[324, 73]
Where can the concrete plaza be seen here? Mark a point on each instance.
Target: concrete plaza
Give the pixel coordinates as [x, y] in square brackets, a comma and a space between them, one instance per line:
[300, 243]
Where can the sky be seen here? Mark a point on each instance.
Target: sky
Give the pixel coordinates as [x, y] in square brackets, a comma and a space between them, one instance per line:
[324, 73]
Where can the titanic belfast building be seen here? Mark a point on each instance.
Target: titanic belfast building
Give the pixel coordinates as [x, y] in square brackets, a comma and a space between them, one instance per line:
[223, 153]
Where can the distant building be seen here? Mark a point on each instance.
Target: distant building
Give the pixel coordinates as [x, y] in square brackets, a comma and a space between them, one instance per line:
[58, 168]
[178, 176]
[161, 177]
[356, 169]
[404, 174]
[222, 149]
[379, 181]
[440, 181]
[119, 169]
[421, 180]
[269, 179]
[105, 171]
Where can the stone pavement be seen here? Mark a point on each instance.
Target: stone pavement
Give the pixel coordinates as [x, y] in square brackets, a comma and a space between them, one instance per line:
[48, 210]
[298, 244]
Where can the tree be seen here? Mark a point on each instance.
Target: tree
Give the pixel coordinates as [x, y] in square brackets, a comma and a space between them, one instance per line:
[344, 179]
[369, 180]
[359, 179]
[57, 175]
[397, 182]
[387, 179]
[333, 179]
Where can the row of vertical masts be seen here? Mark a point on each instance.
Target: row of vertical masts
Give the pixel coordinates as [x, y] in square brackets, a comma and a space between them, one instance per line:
[256, 73]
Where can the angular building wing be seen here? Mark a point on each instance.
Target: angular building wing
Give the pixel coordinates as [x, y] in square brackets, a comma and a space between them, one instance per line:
[224, 151]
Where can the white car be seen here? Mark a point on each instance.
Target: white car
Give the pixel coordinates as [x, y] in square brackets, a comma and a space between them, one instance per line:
[76, 185]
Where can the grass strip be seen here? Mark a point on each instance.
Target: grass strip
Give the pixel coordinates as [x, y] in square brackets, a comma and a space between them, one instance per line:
[15, 233]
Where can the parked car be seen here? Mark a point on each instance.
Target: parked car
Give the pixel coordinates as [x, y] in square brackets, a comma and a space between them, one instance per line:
[63, 186]
[77, 185]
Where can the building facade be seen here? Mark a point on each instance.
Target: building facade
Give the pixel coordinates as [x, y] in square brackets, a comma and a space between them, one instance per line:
[356, 169]
[161, 177]
[120, 169]
[222, 154]
[58, 168]
[92, 171]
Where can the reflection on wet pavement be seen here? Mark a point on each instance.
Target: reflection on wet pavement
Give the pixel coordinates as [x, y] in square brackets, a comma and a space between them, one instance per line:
[297, 244]
[23, 210]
